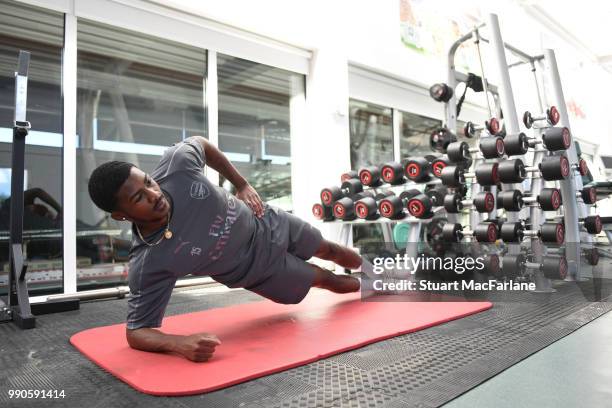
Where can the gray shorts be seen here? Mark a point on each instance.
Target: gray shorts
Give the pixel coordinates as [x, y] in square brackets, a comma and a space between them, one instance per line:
[291, 276]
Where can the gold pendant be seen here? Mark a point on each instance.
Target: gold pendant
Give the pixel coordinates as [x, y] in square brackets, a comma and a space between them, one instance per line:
[168, 234]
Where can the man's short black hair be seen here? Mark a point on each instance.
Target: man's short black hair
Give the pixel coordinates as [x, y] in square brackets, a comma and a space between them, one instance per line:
[105, 182]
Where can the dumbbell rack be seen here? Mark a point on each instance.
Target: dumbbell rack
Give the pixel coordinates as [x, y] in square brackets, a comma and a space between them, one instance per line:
[345, 236]
[504, 99]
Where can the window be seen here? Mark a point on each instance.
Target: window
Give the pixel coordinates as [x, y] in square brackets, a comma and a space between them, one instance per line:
[256, 103]
[371, 129]
[41, 32]
[136, 96]
[415, 133]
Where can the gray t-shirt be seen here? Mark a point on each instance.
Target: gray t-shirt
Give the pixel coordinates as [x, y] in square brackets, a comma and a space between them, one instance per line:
[214, 234]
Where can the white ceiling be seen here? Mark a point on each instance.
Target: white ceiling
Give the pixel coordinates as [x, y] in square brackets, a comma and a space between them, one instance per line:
[585, 24]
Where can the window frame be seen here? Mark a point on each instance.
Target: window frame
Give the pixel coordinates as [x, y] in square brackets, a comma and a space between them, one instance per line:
[175, 25]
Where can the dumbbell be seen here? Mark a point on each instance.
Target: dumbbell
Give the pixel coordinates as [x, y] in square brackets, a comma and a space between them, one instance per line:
[554, 139]
[332, 194]
[483, 202]
[393, 173]
[492, 264]
[582, 167]
[551, 168]
[344, 208]
[370, 176]
[491, 148]
[588, 195]
[441, 92]
[322, 212]
[486, 174]
[592, 224]
[437, 165]
[393, 206]
[417, 169]
[551, 267]
[549, 199]
[420, 205]
[367, 207]
[494, 127]
[484, 232]
[440, 139]
[551, 117]
[591, 255]
[352, 174]
[553, 232]
[470, 129]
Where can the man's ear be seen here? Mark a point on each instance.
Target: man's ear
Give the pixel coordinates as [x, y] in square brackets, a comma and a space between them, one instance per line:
[119, 216]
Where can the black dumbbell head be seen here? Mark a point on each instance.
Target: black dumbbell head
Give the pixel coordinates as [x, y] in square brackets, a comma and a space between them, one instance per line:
[458, 152]
[552, 232]
[322, 212]
[555, 168]
[593, 224]
[492, 265]
[487, 174]
[486, 232]
[550, 199]
[440, 139]
[592, 256]
[436, 193]
[493, 126]
[352, 174]
[484, 202]
[392, 173]
[417, 169]
[512, 171]
[511, 200]
[512, 232]
[555, 267]
[452, 176]
[441, 92]
[557, 138]
[330, 195]
[516, 145]
[365, 208]
[512, 265]
[390, 207]
[553, 115]
[583, 167]
[419, 206]
[352, 186]
[589, 195]
[344, 208]
[469, 130]
[452, 232]
[437, 165]
[452, 203]
[492, 147]
[527, 119]
[369, 176]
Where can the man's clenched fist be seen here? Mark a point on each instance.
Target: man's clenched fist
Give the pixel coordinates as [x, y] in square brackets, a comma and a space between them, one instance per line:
[198, 347]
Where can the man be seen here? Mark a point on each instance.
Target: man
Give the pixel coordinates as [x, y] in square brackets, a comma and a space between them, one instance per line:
[182, 224]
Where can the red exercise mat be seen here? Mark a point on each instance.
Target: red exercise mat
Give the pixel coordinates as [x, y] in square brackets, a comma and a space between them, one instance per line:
[262, 338]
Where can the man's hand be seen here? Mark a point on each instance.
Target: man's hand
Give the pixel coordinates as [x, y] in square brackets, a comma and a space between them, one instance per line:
[197, 347]
[250, 197]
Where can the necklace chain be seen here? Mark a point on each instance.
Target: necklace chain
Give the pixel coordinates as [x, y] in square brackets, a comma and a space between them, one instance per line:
[167, 234]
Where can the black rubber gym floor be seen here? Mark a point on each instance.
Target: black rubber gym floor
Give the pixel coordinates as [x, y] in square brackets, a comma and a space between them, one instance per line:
[422, 369]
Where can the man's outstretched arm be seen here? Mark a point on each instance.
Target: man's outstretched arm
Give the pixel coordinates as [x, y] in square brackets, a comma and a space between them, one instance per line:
[196, 347]
[218, 161]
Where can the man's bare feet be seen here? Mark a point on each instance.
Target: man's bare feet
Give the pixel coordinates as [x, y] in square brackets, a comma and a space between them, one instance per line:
[335, 283]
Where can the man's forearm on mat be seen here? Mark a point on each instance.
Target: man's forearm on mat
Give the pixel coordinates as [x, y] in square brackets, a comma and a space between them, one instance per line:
[147, 339]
